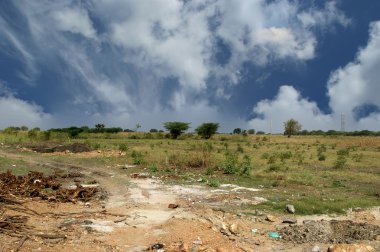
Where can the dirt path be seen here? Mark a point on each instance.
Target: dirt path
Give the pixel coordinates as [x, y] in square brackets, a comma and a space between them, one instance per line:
[136, 215]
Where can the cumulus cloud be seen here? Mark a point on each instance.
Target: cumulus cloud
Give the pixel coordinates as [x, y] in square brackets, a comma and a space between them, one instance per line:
[271, 114]
[17, 112]
[353, 90]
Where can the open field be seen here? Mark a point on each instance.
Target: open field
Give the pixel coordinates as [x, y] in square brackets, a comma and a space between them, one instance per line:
[318, 175]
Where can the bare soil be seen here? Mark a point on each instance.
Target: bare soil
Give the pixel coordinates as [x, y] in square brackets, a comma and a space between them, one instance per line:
[135, 215]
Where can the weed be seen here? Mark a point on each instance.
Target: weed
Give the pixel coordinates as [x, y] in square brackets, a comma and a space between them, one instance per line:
[138, 157]
[274, 167]
[322, 157]
[123, 147]
[246, 166]
[213, 183]
[153, 168]
[239, 149]
[229, 166]
[337, 184]
[357, 157]
[341, 162]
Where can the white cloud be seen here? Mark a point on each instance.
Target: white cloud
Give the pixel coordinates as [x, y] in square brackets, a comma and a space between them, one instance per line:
[289, 104]
[357, 84]
[354, 86]
[74, 20]
[16, 112]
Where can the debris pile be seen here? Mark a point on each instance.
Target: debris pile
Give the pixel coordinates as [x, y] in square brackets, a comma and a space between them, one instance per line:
[13, 225]
[334, 231]
[36, 184]
[50, 148]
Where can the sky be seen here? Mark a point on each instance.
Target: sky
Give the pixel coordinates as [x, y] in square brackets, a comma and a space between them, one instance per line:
[241, 63]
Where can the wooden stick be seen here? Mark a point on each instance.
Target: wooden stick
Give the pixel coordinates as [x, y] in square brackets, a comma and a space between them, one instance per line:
[21, 242]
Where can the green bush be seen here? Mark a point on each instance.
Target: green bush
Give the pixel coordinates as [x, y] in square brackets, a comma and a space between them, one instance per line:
[213, 183]
[246, 167]
[138, 157]
[230, 164]
[123, 147]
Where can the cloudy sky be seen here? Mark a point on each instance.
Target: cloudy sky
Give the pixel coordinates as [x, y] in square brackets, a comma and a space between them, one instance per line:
[242, 63]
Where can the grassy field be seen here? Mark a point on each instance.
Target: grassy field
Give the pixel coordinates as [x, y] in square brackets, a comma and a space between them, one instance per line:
[316, 174]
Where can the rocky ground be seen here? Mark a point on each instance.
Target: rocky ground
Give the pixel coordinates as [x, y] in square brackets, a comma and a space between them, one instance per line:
[136, 212]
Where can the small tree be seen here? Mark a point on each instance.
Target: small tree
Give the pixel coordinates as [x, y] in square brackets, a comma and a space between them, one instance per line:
[176, 128]
[237, 131]
[291, 127]
[251, 131]
[206, 130]
[99, 127]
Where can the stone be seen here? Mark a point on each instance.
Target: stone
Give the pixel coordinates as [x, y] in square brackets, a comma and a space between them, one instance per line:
[289, 221]
[234, 228]
[173, 206]
[271, 218]
[378, 238]
[350, 248]
[290, 209]
[315, 249]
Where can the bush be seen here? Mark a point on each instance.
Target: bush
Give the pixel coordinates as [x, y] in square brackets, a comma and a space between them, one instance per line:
[206, 130]
[322, 157]
[123, 147]
[246, 166]
[138, 157]
[213, 183]
[229, 166]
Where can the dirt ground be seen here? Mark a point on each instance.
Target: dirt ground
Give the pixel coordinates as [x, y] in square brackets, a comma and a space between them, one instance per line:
[139, 213]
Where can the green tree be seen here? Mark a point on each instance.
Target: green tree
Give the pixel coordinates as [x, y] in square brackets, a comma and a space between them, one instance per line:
[291, 127]
[176, 128]
[251, 131]
[99, 127]
[206, 130]
[237, 131]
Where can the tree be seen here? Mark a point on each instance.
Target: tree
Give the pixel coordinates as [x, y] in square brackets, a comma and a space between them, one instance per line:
[138, 126]
[99, 127]
[291, 127]
[251, 131]
[176, 128]
[153, 130]
[24, 128]
[237, 131]
[206, 130]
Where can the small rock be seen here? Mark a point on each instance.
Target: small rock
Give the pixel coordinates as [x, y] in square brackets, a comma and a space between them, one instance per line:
[234, 228]
[289, 221]
[198, 241]
[271, 218]
[290, 209]
[173, 206]
[378, 238]
[350, 248]
[315, 249]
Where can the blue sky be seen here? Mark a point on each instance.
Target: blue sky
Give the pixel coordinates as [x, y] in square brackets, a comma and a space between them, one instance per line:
[242, 63]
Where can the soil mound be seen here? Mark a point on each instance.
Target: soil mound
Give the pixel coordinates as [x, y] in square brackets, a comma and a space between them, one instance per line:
[50, 148]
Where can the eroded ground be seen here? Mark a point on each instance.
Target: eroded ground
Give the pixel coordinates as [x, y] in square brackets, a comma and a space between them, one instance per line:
[133, 212]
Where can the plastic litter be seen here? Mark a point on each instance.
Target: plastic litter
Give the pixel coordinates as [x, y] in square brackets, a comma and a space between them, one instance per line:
[254, 231]
[274, 235]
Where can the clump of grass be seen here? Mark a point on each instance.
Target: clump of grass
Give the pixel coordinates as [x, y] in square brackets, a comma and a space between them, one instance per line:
[123, 147]
[239, 149]
[357, 157]
[213, 183]
[138, 157]
[153, 168]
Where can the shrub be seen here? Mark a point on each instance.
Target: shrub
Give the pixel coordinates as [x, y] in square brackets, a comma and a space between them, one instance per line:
[206, 130]
[123, 147]
[213, 183]
[153, 168]
[246, 166]
[322, 157]
[230, 163]
[138, 157]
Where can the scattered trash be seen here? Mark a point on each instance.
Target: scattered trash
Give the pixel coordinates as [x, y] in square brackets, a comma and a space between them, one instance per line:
[198, 241]
[254, 231]
[274, 235]
[315, 249]
[157, 246]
